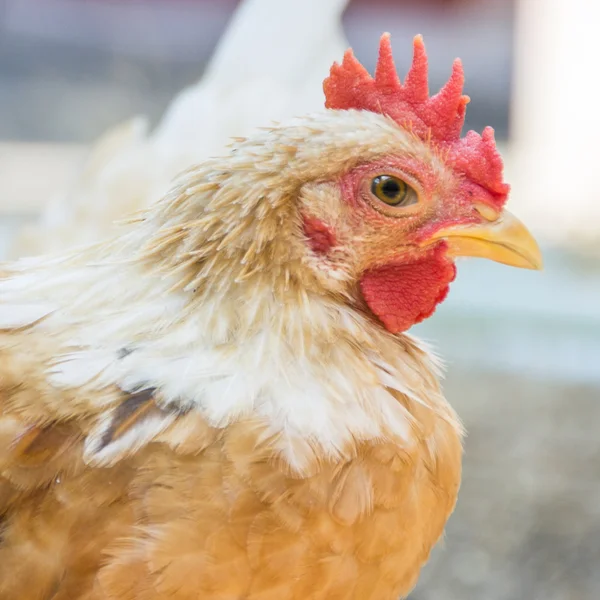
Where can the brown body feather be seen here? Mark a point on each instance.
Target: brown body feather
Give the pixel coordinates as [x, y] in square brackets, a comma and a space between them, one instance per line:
[206, 513]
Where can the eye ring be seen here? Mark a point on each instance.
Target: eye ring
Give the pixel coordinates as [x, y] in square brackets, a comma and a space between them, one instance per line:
[393, 191]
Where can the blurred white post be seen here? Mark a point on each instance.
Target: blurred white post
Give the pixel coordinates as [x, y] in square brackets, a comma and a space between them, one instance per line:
[556, 118]
[273, 32]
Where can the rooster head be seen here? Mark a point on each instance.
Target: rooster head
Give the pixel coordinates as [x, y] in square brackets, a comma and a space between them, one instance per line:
[397, 221]
[369, 202]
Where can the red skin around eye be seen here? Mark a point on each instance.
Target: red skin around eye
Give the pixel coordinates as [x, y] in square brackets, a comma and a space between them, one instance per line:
[403, 167]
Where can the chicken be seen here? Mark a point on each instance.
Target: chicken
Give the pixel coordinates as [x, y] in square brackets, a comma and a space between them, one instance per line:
[245, 85]
[223, 401]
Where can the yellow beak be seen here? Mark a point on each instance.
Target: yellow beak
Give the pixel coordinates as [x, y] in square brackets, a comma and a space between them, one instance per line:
[505, 240]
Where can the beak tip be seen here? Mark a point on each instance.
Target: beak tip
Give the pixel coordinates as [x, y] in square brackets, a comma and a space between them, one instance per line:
[536, 259]
[536, 267]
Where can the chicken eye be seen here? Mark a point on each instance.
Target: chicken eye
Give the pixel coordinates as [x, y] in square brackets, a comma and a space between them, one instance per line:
[393, 191]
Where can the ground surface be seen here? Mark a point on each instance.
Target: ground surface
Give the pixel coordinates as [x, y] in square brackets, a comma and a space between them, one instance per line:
[527, 524]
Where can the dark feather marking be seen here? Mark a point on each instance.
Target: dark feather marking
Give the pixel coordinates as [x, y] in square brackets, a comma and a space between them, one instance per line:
[137, 405]
[40, 444]
[124, 352]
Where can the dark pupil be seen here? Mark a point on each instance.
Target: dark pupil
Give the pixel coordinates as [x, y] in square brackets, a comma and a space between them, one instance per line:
[390, 188]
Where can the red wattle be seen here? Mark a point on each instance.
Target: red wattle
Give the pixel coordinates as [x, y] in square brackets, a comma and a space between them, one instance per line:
[403, 294]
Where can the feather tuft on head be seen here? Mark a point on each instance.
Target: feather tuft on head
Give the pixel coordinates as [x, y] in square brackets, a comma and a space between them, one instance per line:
[437, 118]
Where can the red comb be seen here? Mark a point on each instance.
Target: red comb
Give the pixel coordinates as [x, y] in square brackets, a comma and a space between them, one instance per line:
[439, 118]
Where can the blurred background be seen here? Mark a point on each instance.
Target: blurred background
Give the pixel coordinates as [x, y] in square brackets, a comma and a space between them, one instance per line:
[103, 101]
